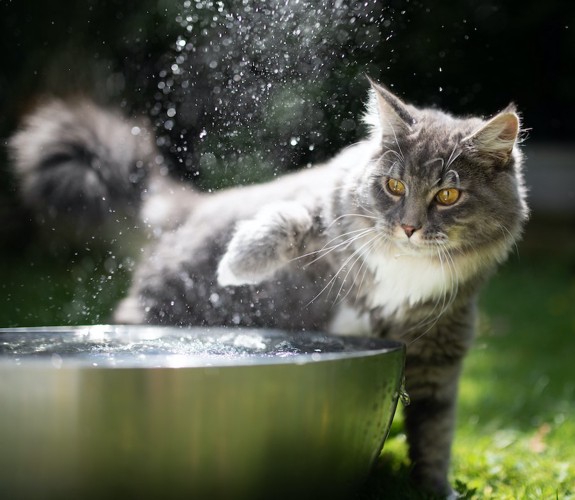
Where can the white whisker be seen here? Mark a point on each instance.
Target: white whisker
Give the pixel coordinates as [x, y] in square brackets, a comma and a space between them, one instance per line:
[342, 267]
[506, 232]
[400, 155]
[365, 269]
[363, 265]
[344, 244]
[331, 282]
[351, 215]
[451, 158]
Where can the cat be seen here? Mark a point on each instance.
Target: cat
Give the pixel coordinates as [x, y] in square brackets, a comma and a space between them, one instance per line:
[393, 237]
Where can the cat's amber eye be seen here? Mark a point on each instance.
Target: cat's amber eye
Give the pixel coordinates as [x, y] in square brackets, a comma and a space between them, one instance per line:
[396, 187]
[448, 196]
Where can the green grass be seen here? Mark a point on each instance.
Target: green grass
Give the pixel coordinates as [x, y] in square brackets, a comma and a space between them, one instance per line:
[517, 406]
[516, 429]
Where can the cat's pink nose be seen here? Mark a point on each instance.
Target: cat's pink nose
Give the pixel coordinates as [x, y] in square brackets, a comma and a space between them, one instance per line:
[409, 230]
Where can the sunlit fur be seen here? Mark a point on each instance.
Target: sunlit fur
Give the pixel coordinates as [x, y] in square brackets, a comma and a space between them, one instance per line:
[329, 247]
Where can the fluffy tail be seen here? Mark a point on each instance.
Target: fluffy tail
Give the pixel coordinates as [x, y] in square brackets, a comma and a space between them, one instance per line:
[78, 163]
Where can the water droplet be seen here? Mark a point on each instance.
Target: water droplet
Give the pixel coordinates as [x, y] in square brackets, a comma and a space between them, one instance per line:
[403, 395]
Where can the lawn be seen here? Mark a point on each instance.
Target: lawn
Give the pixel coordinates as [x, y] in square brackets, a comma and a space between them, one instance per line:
[516, 428]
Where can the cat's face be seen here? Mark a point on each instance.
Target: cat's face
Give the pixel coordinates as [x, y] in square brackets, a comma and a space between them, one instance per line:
[442, 182]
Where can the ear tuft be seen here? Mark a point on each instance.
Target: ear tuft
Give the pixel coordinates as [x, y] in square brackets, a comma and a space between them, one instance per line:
[510, 108]
[386, 114]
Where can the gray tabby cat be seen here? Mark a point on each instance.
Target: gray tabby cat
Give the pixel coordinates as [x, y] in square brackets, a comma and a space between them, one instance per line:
[394, 237]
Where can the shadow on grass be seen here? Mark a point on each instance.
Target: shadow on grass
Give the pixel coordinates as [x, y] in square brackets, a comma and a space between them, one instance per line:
[390, 480]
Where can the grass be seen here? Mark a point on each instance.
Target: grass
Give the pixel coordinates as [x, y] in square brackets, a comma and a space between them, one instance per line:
[516, 424]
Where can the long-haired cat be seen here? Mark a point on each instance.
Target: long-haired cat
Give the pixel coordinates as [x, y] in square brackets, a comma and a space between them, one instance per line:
[393, 237]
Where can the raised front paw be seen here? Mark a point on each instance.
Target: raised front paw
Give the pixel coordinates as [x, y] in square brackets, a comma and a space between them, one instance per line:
[264, 244]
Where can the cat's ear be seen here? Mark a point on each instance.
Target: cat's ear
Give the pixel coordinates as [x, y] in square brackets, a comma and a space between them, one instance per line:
[387, 114]
[496, 139]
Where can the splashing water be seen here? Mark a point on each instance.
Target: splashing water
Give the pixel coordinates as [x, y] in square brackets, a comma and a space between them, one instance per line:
[245, 91]
[243, 80]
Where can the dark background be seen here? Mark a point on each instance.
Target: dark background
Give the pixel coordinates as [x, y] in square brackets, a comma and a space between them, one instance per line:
[242, 90]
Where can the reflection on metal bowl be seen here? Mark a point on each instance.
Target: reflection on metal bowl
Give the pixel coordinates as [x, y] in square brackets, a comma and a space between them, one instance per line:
[141, 412]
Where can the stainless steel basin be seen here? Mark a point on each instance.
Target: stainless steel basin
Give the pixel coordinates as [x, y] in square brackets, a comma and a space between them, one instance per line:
[154, 412]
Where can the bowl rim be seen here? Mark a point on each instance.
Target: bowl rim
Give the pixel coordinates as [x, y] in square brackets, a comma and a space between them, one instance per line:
[374, 346]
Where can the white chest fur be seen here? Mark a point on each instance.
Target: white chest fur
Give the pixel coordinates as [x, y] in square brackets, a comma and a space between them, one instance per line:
[404, 280]
[400, 282]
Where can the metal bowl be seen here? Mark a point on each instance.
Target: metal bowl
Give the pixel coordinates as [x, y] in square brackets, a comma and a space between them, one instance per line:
[139, 412]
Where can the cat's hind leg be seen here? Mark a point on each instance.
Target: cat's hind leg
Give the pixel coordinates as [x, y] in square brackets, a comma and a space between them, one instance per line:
[264, 244]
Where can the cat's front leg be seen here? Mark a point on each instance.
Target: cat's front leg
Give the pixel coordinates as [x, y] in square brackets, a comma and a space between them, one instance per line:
[264, 244]
[430, 422]
[432, 371]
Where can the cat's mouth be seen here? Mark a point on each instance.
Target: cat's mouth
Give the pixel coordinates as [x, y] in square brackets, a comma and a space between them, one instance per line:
[421, 246]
